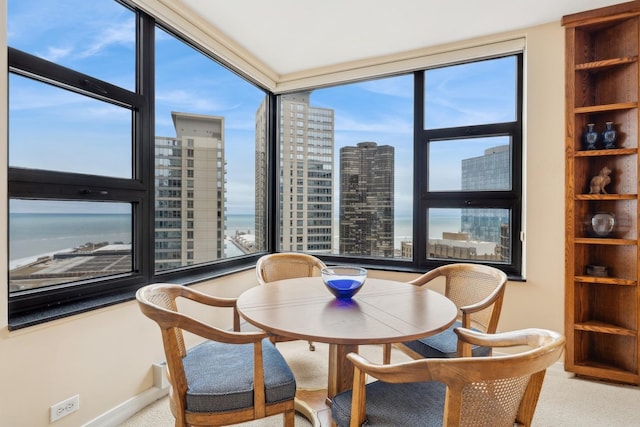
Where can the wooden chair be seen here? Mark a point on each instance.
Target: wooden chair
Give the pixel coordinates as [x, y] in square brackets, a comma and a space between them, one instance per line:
[231, 377]
[491, 391]
[477, 290]
[287, 265]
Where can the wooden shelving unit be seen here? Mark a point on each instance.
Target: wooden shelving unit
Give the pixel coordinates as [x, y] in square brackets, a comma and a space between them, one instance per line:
[602, 316]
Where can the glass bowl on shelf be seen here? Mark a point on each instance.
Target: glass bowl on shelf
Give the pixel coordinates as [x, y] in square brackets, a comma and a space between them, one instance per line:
[606, 224]
[344, 281]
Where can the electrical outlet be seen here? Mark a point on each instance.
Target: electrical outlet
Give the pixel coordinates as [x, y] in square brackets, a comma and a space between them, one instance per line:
[64, 408]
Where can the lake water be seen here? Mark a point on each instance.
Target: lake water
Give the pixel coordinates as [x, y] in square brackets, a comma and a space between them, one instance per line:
[32, 235]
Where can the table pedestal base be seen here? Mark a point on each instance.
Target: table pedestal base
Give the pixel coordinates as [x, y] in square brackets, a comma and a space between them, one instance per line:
[312, 404]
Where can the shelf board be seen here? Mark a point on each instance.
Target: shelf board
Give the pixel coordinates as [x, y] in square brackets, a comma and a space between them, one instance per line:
[605, 280]
[605, 63]
[599, 369]
[606, 107]
[604, 328]
[606, 196]
[604, 241]
[609, 152]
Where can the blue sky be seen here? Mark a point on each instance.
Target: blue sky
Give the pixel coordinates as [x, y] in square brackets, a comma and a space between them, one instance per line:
[86, 35]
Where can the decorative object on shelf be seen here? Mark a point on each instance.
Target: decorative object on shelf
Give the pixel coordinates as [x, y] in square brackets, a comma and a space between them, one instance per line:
[590, 137]
[344, 281]
[600, 181]
[601, 224]
[597, 270]
[609, 136]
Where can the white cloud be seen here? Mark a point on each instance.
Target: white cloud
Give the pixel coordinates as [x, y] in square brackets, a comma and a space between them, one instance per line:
[121, 34]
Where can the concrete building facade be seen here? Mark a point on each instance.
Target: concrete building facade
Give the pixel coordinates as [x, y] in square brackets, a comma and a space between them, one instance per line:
[306, 165]
[190, 192]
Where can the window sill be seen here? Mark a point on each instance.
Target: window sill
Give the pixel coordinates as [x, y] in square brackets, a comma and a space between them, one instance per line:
[36, 317]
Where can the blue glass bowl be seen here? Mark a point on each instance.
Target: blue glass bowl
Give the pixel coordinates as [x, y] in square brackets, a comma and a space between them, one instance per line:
[344, 281]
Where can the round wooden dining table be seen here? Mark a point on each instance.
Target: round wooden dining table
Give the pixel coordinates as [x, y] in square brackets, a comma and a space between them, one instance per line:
[383, 312]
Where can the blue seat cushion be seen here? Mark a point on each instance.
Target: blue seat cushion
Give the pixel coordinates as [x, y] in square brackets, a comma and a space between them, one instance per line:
[444, 344]
[418, 404]
[220, 376]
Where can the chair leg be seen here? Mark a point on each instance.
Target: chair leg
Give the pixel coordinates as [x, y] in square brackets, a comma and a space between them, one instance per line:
[386, 354]
[311, 346]
[289, 418]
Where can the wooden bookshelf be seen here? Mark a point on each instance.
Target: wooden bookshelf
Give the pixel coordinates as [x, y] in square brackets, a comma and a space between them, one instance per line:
[602, 318]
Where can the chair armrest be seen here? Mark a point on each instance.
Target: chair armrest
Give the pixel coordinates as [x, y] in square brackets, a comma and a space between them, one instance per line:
[211, 332]
[426, 277]
[417, 370]
[213, 301]
[411, 371]
[167, 318]
[207, 299]
[531, 337]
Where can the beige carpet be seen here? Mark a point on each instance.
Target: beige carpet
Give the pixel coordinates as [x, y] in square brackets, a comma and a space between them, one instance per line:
[564, 401]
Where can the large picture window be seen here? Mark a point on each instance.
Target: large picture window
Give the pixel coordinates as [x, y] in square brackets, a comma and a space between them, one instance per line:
[206, 121]
[352, 157]
[345, 169]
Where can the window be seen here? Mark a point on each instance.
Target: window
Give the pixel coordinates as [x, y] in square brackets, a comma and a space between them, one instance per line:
[122, 170]
[472, 148]
[134, 156]
[364, 155]
[203, 113]
[75, 132]
[356, 179]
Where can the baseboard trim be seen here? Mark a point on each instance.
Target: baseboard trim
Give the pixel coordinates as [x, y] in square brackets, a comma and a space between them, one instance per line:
[124, 411]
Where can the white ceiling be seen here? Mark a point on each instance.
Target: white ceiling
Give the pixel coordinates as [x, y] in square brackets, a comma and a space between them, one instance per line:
[290, 36]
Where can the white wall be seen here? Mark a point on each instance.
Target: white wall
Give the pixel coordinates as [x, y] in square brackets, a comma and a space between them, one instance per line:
[105, 356]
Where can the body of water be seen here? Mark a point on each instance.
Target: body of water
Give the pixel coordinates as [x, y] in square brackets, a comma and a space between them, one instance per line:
[32, 235]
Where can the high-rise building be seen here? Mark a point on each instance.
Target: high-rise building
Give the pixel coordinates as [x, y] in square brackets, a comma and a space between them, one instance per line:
[190, 192]
[366, 200]
[306, 175]
[488, 172]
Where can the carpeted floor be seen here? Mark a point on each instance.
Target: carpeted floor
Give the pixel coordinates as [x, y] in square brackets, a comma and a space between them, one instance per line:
[564, 400]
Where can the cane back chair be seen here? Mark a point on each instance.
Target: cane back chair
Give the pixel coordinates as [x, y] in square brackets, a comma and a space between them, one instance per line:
[477, 291]
[231, 377]
[495, 391]
[287, 265]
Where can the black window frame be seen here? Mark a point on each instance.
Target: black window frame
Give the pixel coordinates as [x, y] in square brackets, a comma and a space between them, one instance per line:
[511, 199]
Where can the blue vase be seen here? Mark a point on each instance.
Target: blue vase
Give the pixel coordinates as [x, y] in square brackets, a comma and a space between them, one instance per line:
[609, 136]
[590, 138]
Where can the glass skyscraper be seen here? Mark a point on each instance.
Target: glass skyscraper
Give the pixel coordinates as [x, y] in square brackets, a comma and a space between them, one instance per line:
[366, 200]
